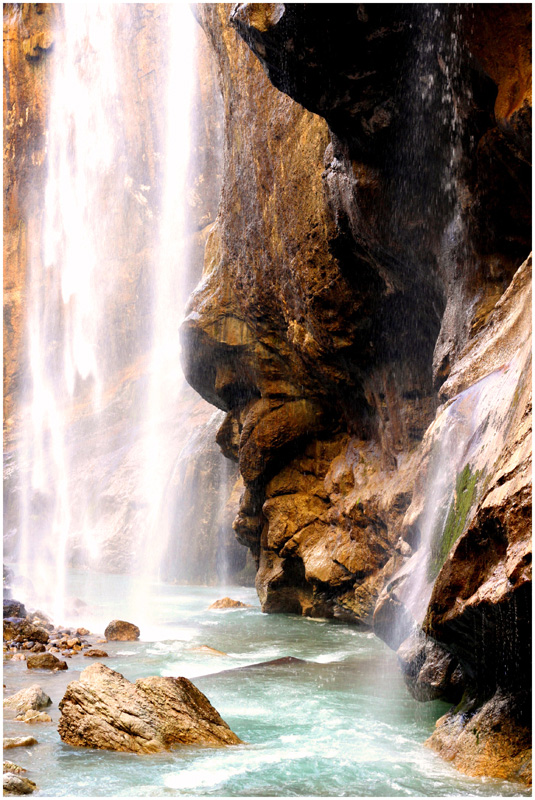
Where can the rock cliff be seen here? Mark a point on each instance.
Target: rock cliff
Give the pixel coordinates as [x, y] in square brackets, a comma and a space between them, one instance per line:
[366, 297]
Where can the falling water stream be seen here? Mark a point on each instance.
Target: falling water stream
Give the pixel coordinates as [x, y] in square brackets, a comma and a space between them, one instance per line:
[106, 405]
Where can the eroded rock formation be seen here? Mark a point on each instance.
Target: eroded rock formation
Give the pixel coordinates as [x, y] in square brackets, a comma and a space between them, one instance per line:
[106, 711]
[365, 280]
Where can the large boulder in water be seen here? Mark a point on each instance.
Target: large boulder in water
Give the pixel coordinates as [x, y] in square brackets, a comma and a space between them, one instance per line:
[105, 711]
[120, 631]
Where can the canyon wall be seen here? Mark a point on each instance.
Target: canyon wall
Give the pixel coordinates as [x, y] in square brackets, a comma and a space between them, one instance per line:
[365, 297]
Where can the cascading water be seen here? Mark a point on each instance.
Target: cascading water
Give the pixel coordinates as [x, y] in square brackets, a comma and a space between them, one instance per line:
[66, 323]
[107, 410]
[463, 444]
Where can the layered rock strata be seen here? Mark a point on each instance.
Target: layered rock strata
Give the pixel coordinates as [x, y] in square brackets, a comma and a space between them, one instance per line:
[364, 282]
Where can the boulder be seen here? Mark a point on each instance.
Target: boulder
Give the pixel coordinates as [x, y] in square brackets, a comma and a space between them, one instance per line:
[22, 630]
[33, 698]
[120, 631]
[45, 661]
[227, 602]
[493, 740]
[15, 784]
[18, 741]
[95, 653]
[106, 711]
[13, 608]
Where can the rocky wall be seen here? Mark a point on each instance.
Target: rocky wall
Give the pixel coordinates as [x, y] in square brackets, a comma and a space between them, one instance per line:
[374, 217]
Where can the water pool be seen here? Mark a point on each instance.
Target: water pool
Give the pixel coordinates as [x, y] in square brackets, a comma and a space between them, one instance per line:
[340, 724]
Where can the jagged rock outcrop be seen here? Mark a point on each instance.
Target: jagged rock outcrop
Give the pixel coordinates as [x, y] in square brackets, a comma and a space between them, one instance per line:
[106, 711]
[364, 284]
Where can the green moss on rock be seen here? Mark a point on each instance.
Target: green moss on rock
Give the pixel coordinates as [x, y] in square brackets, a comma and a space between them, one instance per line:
[444, 539]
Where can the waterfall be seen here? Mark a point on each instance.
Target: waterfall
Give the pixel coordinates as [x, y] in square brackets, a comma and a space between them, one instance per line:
[106, 410]
[462, 445]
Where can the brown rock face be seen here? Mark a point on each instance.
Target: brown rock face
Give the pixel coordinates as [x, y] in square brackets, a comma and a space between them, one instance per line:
[365, 280]
[105, 711]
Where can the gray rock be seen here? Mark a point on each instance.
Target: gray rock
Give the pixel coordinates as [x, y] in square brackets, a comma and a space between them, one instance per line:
[33, 698]
[16, 784]
[14, 608]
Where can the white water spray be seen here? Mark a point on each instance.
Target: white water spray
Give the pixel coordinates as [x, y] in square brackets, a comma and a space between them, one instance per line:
[107, 409]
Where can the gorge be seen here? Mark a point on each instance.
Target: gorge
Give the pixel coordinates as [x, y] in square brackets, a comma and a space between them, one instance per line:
[359, 208]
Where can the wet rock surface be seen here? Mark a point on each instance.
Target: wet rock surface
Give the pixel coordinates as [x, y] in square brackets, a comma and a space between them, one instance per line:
[104, 710]
[227, 602]
[121, 631]
[490, 739]
[386, 291]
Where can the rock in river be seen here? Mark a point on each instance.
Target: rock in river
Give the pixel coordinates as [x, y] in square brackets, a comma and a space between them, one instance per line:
[227, 602]
[120, 631]
[32, 698]
[106, 711]
[16, 784]
[95, 653]
[45, 661]
[18, 741]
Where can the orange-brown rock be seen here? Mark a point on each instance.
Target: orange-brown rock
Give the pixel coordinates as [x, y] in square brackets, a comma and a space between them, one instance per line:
[227, 602]
[119, 630]
[105, 711]
[366, 252]
[492, 740]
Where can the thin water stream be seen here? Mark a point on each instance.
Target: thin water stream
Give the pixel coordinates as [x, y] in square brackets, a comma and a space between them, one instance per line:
[340, 724]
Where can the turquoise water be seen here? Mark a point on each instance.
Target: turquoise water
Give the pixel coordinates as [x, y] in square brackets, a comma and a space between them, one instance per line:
[341, 724]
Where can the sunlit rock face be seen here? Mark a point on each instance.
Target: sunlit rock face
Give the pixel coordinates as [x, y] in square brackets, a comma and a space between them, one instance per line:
[364, 271]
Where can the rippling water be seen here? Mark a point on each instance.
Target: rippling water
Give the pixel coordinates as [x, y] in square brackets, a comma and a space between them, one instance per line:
[342, 724]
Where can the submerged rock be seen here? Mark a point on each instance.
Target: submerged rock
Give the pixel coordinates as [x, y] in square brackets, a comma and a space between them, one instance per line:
[15, 784]
[31, 699]
[45, 661]
[105, 711]
[227, 602]
[120, 631]
[34, 716]
[96, 653]
[18, 741]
